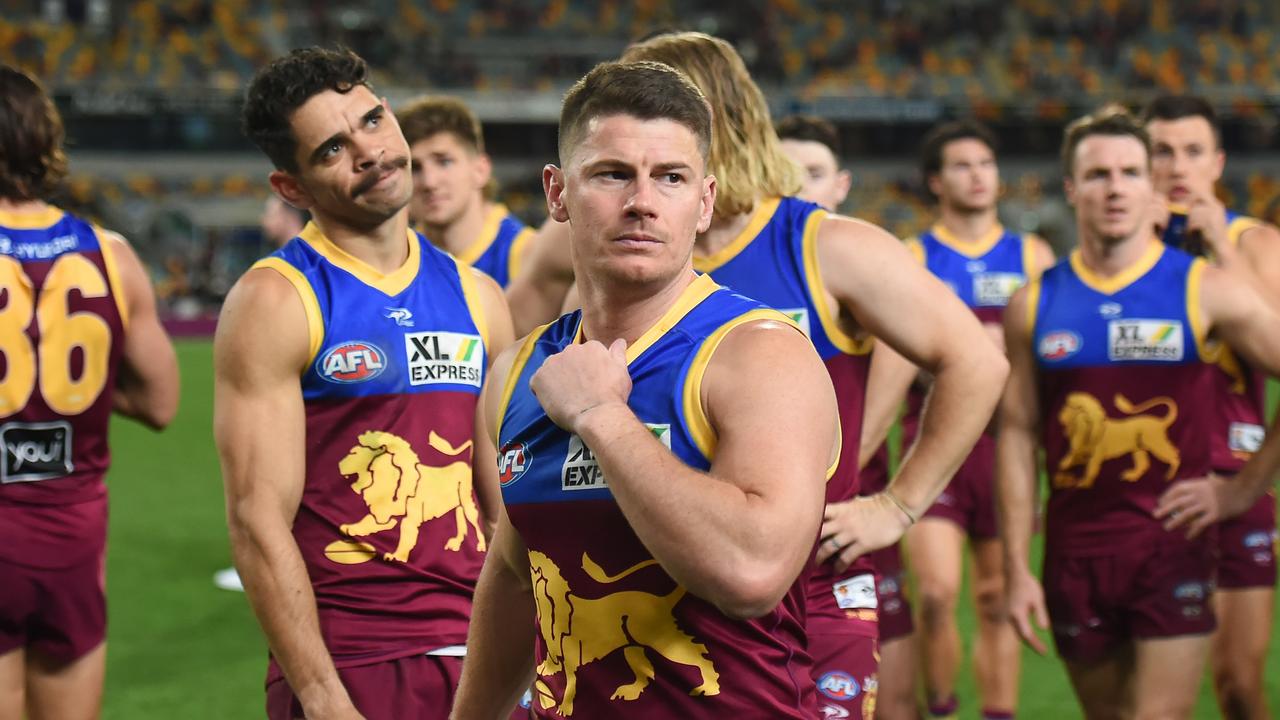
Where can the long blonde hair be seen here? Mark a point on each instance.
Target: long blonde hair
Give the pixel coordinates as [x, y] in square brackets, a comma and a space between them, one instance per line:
[746, 156]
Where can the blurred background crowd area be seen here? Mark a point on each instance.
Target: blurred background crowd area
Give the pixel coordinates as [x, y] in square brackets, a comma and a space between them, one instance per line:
[150, 93]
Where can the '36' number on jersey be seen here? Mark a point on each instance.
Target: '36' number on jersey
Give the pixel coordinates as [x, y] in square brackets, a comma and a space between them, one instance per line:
[60, 333]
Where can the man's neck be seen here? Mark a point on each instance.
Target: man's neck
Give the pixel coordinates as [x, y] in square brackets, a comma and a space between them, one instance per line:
[458, 236]
[1107, 258]
[385, 247]
[966, 225]
[616, 312]
[722, 232]
[11, 205]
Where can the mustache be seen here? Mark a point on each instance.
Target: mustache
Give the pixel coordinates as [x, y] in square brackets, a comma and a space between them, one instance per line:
[373, 176]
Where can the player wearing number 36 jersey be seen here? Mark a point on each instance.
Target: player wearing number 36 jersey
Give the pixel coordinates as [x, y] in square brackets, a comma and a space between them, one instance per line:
[79, 338]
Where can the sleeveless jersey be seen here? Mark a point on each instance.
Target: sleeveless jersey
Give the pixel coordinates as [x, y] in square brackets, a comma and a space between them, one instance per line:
[608, 614]
[1126, 395]
[498, 250]
[984, 274]
[61, 338]
[1242, 401]
[388, 524]
[775, 260]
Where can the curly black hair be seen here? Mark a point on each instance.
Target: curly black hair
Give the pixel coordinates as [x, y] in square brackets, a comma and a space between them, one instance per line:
[283, 86]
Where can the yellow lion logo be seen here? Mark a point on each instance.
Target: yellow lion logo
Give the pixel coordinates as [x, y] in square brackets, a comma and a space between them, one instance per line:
[401, 490]
[578, 630]
[1095, 438]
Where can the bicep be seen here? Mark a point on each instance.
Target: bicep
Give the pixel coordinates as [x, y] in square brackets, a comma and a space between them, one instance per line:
[1261, 248]
[1239, 316]
[1019, 405]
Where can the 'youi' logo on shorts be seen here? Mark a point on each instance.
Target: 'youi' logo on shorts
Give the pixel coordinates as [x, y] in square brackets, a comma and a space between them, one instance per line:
[35, 451]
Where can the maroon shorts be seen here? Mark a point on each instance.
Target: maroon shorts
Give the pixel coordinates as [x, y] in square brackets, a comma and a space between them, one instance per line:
[895, 608]
[1247, 547]
[969, 499]
[1098, 603]
[845, 669]
[419, 686]
[53, 578]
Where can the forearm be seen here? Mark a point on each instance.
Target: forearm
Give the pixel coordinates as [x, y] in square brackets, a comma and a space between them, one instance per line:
[887, 384]
[727, 546]
[958, 410]
[279, 590]
[1016, 495]
[1257, 476]
[500, 644]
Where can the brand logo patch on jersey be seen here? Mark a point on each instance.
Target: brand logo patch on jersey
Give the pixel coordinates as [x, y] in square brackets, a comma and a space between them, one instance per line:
[833, 712]
[1190, 591]
[975, 266]
[1258, 539]
[1059, 345]
[581, 471]
[1245, 437]
[513, 461]
[995, 289]
[444, 357]
[352, 362]
[1110, 310]
[1144, 340]
[839, 685]
[800, 316]
[856, 593]
[401, 316]
[35, 451]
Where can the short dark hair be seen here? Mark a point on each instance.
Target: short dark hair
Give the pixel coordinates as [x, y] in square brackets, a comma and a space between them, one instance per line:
[642, 89]
[1177, 107]
[32, 161]
[1111, 119]
[810, 128]
[279, 89]
[433, 114]
[936, 140]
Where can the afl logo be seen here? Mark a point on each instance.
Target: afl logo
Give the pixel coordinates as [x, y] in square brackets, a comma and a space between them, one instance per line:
[1059, 345]
[513, 461]
[838, 685]
[352, 362]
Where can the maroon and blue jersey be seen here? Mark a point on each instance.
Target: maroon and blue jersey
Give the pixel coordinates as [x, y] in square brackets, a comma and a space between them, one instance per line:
[618, 636]
[500, 247]
[388, 524]
[775, 260]
[1127, 395]
[61, 338]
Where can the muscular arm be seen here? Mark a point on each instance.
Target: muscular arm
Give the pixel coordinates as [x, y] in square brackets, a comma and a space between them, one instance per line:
[1259, 253]
[1016, 475]
[260, 350]
[738, 535]
[538, 292]
[876, 280]
[500, 640]
[484, 460]
[147, 380]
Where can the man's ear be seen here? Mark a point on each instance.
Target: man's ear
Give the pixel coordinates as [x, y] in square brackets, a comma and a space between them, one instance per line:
[844, 181]
[1069, 189]
[290, 190]
[553, 186]
[483, 169]
[708, 203]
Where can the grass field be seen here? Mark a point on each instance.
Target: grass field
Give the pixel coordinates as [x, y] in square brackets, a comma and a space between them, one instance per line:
[178, 647]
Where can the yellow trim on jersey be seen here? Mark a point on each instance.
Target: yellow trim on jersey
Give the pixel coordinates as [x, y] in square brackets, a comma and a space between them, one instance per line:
[471, 291]
[969, 248]
[515, 259]
[105, 238]
[310, 305]
[392, 283]
[1195, 315]
[1033, 305]
[513, 376]
[916, 248]
[844, 342]
[691, 297]
[1239, 226]
[488, 233]
[1122, 279]
[1030, 261]
[760, 217]
[695, 415]
[31, 220]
